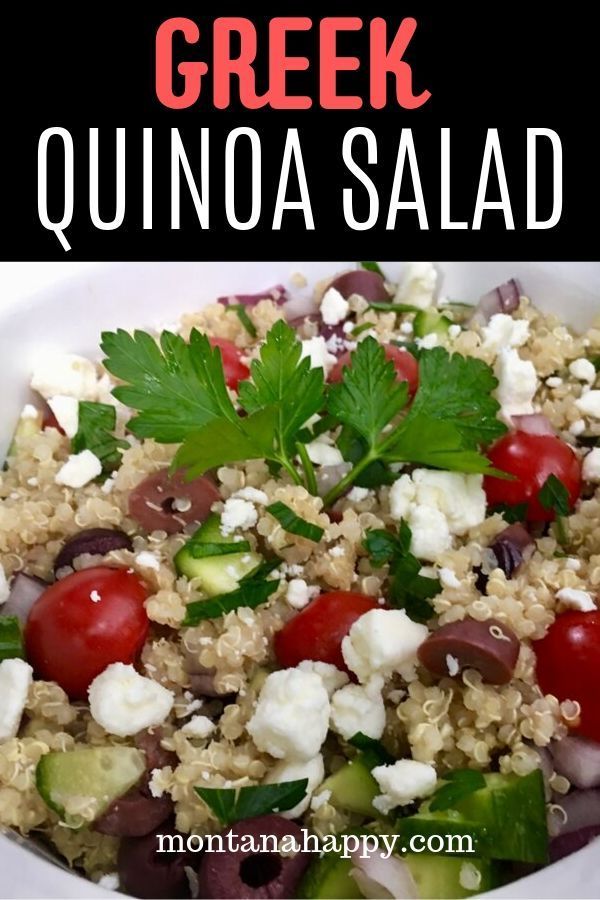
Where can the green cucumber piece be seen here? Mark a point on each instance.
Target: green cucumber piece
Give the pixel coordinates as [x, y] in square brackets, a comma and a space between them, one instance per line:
[97, 774]
[216, 574]
[506, 819]
[451, 824]
[353, 788]
[328, 878]
[439, 877]
[427, 321]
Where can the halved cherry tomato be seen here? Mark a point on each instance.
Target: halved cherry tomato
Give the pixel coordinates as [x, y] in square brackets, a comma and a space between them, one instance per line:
[407, 367]
[318, 631]
[234, 368]
[531, 458]
[84, 622]
[568, 663]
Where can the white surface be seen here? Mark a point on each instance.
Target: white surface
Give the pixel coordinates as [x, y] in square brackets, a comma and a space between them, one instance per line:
[70, 316]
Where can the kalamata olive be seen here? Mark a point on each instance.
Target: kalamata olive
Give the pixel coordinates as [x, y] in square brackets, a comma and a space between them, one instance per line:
[156, 755]
[150, 875]
[248, 874]
[490, 647]
[369, 285]
[25, 590]
[277, 294]
[510, 548]
[169, 502]
[95, 541]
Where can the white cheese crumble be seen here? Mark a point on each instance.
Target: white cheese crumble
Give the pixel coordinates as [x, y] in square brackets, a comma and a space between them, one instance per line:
[576, 599]
[503, 332]
[332, 677]
[357, 708]
[591, 466]
[29, 411]
[429, 341]
[254, 495]
[237, 513]
[110, 881]
[4, 586]
[15, 677]
[577, 427]
[64, 373]
[66, 413]
[323, 454]
[383, 641]
[357, 494]
[291, 717]
[554, 381]
[401, 783]
[145, 559]
[573, 563]
[454, 331]
[316, 350]
[294, 770]
[583, 370]
[79, 469]
[124, 702]
[452, 665]
[199, 727]
[337, 551]
[299, 594]
[320, 800]
[517, 384]
[417, 285]
[589, 404]
[334, 309]
[448, 578]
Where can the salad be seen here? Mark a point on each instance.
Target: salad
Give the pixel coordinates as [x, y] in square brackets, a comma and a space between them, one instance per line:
[319, 563]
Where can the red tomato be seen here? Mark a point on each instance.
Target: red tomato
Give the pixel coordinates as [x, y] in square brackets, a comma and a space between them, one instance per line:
[234, 368]
[317, 632]
[531, 458]
[50, 421]
[407, 367]
[84, 622]
[568, 663]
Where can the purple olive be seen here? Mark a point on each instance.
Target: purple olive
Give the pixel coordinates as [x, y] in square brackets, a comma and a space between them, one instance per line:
[95, 541]
[168, 502]
[367, 284]
[150, 875]
[156, 755]
[247, 874]
[490, 647]
[136, 813]
[510, 548]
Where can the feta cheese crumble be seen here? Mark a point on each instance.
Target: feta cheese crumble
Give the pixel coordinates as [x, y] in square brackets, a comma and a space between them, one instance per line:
[517, 385]
[402, 782]
[145, 559]
[124, 702]
[583, 370]
[79, 469]
[357, 707]
[316, 350]
[199, 727]
[15, 677]
[291, 716]
[334, 309]
[294, 770]
[417, 285]
[503, 332]
[299, 594]
[322, 454]
[591, 466]
[237, 513]
[332, 677]
[383, 641]
[66, 413]
[576, 599]
[589, 404]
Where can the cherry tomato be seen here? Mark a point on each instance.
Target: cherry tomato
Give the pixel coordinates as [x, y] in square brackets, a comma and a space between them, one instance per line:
[568, 662]
[84, 622]
[407, 367]
[317, 632]
[234, 368]
[531, 458]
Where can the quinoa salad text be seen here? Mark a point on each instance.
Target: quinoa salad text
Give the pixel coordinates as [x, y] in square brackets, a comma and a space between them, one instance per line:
[320, 559]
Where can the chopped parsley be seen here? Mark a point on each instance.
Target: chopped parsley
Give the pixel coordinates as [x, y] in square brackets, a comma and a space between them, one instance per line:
[373, 753]
[97, 423]
[11, 638]
[250, 593]
[240, 310]
[372, 267]
[231, 805]
[553, 495]
[511, 513]
[457, 785]
[288, 519]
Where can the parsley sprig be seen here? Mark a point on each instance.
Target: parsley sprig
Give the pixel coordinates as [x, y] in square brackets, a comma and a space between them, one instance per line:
[456, 785]
[234, 804]
[553, 495]
[97, 422]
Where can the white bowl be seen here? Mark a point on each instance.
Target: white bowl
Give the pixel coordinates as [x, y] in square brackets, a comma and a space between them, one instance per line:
[72, 315]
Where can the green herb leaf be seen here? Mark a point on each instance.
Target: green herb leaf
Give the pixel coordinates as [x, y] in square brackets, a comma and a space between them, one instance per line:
[97, 422]
[262, 570]
[240, 310]
[235, 804]
[11, 638]
[435, 443]
[457, 785]
[177, 387]
[283, 382]
[202, 549]
[383, 306]
[511, 513]
[372, 267]
[373, 752]
[292, 523]
[250, 593]
[554, 495]
[369, 396]
[360, 328]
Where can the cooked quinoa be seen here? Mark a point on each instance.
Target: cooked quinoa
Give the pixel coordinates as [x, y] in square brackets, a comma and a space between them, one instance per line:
[447, 722]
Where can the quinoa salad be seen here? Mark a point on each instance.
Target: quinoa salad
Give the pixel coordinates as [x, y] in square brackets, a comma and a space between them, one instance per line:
[318, 560]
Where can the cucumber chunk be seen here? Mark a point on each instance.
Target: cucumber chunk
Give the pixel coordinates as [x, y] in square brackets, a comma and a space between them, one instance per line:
[328, 878]
[427, 321]
[218, 574]
[443, 877]
[506, 819]
[90, 778]
[353, 788]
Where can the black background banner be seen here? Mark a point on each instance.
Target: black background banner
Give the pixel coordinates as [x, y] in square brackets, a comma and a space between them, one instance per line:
[507, 66]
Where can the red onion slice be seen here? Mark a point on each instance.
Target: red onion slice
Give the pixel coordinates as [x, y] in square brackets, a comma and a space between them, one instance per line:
[503, 299]
[277, 293]
[578, 759]
[379, 877]
[582, 809]
[24, 591]
[535, 423]
[569, 843]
